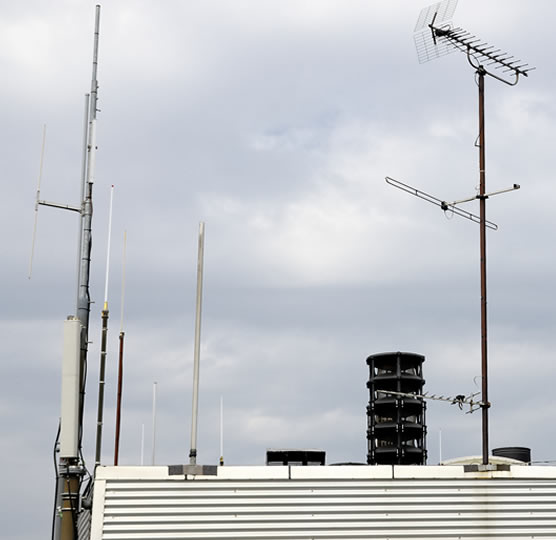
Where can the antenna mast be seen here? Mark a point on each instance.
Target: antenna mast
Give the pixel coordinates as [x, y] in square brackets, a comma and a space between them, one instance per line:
[76, 330]
[434, 37]
[195, 408]
[104, 337]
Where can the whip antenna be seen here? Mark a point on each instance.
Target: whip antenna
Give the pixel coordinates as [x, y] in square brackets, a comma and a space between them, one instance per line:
[37, 200]
[104, 336]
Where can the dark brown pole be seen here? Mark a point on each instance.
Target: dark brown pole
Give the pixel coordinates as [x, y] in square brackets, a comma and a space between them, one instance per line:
[101, 384]
[119, 400]
[482, 200]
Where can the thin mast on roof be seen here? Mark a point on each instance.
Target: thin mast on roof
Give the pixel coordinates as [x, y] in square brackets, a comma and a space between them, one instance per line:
[104, 336]
[434, 37]
[153, 456]
[196, 359]
[71, 467]
[120, 362]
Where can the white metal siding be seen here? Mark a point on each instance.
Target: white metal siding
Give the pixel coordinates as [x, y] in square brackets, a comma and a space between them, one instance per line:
[469, 506]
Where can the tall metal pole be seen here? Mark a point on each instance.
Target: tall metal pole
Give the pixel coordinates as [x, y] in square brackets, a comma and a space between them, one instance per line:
[199, 301]
[482, 214]
[434, 37]
[71, 469]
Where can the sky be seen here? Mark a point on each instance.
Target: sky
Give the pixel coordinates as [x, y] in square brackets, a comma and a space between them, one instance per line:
[275, 123]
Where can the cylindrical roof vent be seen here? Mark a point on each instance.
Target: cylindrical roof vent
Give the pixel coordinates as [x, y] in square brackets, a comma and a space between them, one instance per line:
[521, 453]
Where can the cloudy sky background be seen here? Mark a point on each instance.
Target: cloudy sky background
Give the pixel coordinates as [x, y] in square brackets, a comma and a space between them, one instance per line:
[274, 122]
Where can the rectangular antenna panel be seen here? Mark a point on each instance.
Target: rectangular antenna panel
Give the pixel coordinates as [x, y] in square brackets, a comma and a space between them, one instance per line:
[69, 424]
[439, 14]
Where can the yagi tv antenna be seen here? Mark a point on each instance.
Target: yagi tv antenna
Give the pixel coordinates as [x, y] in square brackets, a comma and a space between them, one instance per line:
[449, 207]
[460, 399]
[434, 37]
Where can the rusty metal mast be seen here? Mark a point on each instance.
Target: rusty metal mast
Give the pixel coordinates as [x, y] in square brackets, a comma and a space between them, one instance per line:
[434, 37]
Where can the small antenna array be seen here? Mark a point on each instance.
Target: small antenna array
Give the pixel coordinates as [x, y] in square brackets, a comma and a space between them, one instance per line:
[460, 399]
[434, 37]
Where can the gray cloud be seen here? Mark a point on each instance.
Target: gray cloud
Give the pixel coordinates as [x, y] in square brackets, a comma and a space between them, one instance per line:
[276, 123]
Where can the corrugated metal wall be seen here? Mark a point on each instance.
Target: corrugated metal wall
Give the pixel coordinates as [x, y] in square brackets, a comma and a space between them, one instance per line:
[470, 506]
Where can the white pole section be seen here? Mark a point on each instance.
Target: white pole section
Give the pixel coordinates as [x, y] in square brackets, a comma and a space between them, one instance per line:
[440, 446]
[221, 430]
[69, 430]
[142, 444]
[195, 408]
[108, 248]
[37, 200]
[154, 424]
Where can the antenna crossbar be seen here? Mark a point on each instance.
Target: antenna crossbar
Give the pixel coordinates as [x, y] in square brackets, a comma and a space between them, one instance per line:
[59, 205]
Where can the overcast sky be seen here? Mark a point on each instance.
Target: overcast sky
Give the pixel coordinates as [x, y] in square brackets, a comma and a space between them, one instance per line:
[275, 123]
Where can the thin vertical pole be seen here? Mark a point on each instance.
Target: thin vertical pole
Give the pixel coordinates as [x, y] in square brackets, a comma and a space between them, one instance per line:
[154, 425]
[221, 430]
[104, 338]
[482, 201]
[119, 398]
[142, 444]
[120, 363]
[101, 380]
[440, 447]
[195, 407]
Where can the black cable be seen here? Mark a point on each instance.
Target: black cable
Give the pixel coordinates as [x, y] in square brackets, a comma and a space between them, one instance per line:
[54, 513]
[72, 508]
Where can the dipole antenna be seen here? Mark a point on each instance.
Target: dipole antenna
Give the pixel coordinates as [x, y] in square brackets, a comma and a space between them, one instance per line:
[435, 37]
[37, 200]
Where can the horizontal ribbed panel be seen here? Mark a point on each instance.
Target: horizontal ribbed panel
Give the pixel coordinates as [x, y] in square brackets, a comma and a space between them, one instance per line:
[328, 508]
